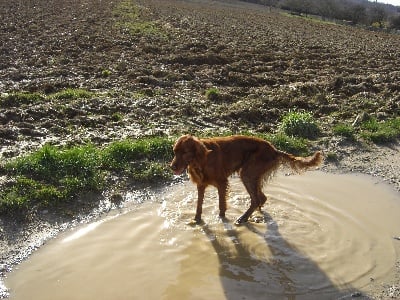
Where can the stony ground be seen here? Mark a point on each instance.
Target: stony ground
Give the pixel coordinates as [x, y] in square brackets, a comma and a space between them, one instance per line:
[150, 63]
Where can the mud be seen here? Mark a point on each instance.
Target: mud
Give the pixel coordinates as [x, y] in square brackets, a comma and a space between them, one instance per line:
[316, 239]
[262, 62]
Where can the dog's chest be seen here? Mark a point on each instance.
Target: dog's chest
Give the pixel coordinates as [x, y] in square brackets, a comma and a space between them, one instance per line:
[196, 174]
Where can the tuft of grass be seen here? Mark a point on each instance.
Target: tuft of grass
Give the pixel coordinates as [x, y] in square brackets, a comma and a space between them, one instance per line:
[128, 16]
[290, 144]
[381, 132]
[147, 171]
[118, 154]
[117, 117]
[212, 94]
[72, 94]
[55, 175]
[299, 124]
[345, 130]
[50, 175]
[105, 73]
[25, 98]
[20, 98]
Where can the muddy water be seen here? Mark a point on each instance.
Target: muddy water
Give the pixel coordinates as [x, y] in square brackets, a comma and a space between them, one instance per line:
[322, 236]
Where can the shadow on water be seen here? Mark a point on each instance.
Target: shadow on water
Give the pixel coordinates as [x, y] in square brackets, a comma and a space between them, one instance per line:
[285, 273]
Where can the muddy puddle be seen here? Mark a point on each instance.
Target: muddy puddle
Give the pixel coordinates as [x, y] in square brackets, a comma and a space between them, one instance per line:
[322, 236]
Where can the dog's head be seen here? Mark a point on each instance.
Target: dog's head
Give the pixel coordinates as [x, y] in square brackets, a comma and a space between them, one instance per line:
[188, 150]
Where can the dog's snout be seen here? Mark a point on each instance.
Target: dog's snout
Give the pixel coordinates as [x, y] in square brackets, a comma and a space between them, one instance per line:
[173, 166]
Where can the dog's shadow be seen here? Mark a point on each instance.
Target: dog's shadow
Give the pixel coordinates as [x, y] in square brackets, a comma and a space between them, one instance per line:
[285, 273]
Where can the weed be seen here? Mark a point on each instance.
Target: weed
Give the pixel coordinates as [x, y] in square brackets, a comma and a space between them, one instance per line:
[293, 145]
[116, 117]
[20, 98]
[50, 175]
[212, 94]
[72, 94]
[300, 124]
[381, 132]
[129, 18]
[344, 130]
[150, 171]
[105, 73]
[118, 154]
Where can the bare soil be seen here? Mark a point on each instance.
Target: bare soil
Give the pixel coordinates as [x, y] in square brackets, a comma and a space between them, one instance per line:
[262, 62]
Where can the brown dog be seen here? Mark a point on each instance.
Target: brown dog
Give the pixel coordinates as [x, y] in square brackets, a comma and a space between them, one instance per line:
[211, 161]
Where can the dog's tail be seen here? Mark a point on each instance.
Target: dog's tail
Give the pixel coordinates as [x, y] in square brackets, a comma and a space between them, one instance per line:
[299, 164]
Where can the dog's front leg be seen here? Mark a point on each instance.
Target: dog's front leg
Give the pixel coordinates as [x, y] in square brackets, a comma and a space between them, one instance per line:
[222, 189]
[200, 197]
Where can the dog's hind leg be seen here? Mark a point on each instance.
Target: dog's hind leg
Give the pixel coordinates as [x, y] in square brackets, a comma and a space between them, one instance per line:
[262, 198]
[252, 186]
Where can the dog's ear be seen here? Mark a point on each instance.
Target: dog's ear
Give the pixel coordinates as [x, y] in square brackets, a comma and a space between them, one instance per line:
[184, 140]
[201, 151]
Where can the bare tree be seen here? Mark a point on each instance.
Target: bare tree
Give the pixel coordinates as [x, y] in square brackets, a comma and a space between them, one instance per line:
[378, 15]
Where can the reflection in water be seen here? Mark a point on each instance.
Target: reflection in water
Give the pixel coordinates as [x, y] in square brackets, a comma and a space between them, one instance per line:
[314, 241]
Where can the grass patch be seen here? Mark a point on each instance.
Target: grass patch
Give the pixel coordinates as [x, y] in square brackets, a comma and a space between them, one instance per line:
[72, 94]
[290, 144]
[118, 154]
[129, 17]
[50, 175]
[381, 132]
[212, 94]
[345, 130]
[146, 171]
[299, 124]
[20, 98]
[55, 175]
[25, 98]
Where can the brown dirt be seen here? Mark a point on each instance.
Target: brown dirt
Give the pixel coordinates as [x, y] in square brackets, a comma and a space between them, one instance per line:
[262, 62]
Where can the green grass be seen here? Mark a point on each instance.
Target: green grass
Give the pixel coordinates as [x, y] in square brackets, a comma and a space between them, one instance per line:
[381, 132]
[290, 144]
[128, 17]
[345, 130]
[54, 175]
[72, 94]
[20, 98]
[26, 98]
[371, 130]
[106, 73]
[50, 175]
[299, 124]
[212, 93]
[118, 154]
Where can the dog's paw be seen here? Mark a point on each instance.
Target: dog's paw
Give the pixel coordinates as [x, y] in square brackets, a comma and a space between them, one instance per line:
[195, 222]
[240, 221]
